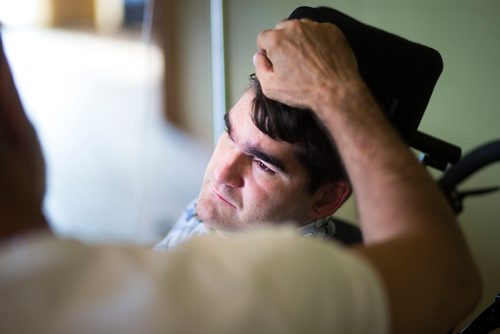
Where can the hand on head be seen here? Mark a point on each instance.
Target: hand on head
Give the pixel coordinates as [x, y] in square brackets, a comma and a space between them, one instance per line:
[299, 59]
[22, 167]
[311, 65]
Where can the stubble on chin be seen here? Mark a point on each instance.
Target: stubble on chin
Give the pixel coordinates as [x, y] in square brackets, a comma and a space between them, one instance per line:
[213, 219]
[202, 210]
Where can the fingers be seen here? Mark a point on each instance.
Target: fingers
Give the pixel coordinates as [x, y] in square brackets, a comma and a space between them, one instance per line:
[263, 67]
[283, 24]
[263, 39]
[269, 37]
[284, 30]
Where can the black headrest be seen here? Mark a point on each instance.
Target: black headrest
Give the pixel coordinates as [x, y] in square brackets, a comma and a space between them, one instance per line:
[400, 73]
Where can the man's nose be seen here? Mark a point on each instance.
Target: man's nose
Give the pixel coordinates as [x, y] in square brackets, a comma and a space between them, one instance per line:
[231, 171]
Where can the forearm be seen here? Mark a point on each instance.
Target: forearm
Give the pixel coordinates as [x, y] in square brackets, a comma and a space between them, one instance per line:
[411, 234]
[383, 171]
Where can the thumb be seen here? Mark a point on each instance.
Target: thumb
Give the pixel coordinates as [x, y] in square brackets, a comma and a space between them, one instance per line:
[263, 66]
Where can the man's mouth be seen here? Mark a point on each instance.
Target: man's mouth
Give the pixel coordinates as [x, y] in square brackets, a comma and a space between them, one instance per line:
[222, 198]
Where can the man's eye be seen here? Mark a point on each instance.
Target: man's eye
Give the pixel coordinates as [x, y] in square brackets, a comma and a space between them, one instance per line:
[263, 167]
[228, 134]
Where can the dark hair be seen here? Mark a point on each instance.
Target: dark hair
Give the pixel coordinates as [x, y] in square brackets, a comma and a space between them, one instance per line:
[313, 148]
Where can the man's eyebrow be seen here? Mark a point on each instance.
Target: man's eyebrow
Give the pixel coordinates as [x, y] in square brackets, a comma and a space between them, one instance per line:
[255, 151]
[227, 122]
[258, 153]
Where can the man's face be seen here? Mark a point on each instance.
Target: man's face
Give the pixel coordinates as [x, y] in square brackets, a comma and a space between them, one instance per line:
[252, 179]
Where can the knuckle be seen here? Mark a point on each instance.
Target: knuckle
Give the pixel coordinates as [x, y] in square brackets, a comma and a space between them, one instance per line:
[274, 38]
[295, 23]
[332, 28]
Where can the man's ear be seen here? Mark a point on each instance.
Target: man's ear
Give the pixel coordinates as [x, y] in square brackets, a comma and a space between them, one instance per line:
[328, 198]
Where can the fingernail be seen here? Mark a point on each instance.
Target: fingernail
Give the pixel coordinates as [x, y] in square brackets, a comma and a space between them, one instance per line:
[254, 59]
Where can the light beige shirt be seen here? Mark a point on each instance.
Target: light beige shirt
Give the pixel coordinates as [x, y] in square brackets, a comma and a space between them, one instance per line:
[272, 281]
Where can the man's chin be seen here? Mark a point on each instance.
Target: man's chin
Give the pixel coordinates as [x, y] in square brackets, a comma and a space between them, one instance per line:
[224, 225]
[214, 218]
[208, 215]
[217, 225]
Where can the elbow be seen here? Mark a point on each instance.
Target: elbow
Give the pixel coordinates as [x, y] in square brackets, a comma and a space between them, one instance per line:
[468, 287]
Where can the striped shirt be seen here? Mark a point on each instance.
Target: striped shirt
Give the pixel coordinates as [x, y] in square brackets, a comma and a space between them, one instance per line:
[188, 225]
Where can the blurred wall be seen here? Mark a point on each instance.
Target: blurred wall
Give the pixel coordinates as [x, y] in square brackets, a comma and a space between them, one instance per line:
[183, 29]
[464, 108]
[74, 11]
[106, 16]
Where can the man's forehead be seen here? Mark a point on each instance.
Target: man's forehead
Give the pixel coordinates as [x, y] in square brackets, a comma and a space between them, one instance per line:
[241, 108]
[245, 100]
[252, 140]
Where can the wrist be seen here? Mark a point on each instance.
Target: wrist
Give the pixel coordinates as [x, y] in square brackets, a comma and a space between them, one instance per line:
[334, 97]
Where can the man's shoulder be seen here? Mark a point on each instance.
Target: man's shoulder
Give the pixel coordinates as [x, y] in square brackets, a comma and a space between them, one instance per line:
[333, 228]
